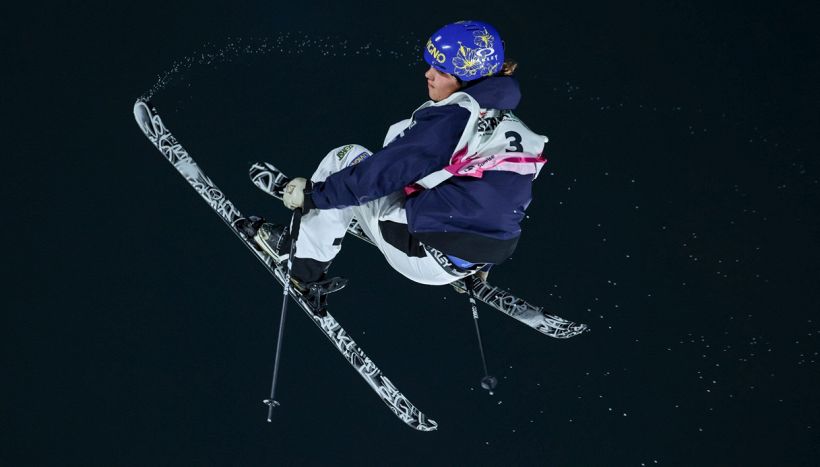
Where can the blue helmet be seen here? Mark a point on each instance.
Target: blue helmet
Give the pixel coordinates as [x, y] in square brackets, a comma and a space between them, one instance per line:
[468, 50]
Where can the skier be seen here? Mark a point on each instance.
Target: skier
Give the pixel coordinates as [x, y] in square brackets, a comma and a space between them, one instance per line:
[444, 197]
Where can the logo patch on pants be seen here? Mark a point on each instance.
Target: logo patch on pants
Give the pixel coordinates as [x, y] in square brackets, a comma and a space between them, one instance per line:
[448, 265]
[360, 158]
[343, 152]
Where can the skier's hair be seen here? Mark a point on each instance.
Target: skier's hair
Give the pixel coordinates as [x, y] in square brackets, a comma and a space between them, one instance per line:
[508, 68]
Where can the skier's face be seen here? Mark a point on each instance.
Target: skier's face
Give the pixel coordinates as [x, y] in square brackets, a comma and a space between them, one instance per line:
[440, 85]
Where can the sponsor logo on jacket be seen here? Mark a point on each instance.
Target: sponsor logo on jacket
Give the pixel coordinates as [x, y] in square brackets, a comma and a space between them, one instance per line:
[487, 125]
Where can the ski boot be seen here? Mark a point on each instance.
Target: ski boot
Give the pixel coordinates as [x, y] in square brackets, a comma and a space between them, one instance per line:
[272, 239]
[313, 295]
[316, 293]
[275, 241]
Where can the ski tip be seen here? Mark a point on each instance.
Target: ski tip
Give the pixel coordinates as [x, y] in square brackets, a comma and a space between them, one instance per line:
[142, 104]
[143, 115]
[262, 166]
[258, 166]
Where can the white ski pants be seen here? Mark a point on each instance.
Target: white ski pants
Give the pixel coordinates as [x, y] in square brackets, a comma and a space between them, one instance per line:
[321, 231]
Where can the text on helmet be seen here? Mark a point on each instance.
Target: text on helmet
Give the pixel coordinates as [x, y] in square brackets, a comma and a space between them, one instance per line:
[437, 55]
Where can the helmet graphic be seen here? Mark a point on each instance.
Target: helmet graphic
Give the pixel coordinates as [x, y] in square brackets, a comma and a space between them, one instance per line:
[468, 50]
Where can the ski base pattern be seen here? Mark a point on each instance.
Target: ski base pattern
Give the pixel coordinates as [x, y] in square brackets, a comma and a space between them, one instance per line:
[272, 181]
[156, 132]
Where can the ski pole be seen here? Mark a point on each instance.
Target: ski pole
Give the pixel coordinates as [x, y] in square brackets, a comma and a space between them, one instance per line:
[487, 382]
[294, 234]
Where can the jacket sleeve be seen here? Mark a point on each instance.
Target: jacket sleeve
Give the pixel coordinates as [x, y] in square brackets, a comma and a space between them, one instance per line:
[426, 147]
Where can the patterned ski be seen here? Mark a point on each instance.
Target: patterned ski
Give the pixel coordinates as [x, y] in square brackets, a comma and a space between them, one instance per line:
[151, 124]
[271, 180]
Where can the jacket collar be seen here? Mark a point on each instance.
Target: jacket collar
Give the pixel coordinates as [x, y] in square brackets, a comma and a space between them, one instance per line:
[496, 92]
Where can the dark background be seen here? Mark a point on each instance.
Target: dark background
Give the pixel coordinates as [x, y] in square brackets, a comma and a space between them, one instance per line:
[678, 216]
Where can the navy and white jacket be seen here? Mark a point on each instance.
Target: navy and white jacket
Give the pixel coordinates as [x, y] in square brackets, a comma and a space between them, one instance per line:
[475, 219]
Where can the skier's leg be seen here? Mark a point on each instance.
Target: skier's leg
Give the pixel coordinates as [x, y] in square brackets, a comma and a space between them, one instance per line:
[322, 231]
[416, 262]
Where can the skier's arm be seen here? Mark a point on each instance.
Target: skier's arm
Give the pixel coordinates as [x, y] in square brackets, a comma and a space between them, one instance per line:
[424, 148]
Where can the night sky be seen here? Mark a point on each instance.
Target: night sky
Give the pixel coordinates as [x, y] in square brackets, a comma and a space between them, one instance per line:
[677, 216]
